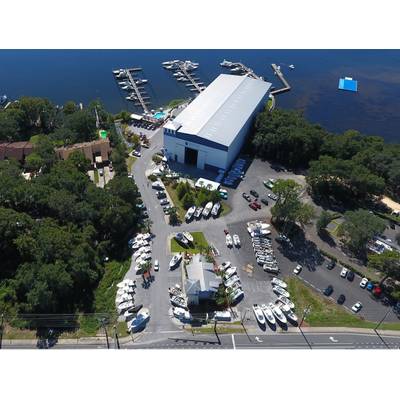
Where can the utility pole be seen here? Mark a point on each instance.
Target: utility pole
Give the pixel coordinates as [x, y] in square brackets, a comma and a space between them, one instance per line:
[1, 329]
[379, 324]
[306, 311]
[105, 331]
[116, 340]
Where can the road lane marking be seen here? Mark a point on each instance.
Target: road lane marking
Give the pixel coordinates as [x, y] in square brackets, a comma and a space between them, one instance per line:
[233, 342]
[332, 339]
[258, 339]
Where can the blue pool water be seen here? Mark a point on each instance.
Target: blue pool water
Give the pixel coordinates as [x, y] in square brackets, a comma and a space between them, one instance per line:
[159, 115]
[83, 75]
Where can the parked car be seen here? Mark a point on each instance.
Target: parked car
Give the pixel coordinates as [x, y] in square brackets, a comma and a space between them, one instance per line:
[254, 193]
[363, 283]
[264, 201]
[253, 206]
[370, 286]
[136, 153]
[246, 196]
[343, 272]
[331, 264]
[273, 196]
[341, 299]
[164, 202]
[357, 307]
[161, 194]
[350, 276]
[156, 265]
[258, 205]
[328, 290]
[298, 269]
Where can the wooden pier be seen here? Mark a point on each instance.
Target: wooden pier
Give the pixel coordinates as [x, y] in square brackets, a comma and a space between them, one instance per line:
[286, 86]
[185, 68]
[139, 95]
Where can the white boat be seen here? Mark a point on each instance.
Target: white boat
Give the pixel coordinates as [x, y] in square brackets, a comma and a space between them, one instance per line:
[139, 321]
[123, 298]
[181, 238]
[225, 63]
[291, 66]
[127, 290]
[286, 301]
[146, 236]
[175, 290]
[229, 272]
[236, 240]
[228, 240]
[207, 209]
[289, 313]
[167, 63]
[141, 250]
[268, 314]
[259, 314]
[278, 282]
[124, 306]
[188, 236]
[141, 81]
[281, 291]
[215, 209]
[175, 261]
[190, 212]
[178, 301]
[126, 283]
[181, 313]
[278, 313]
[198, 212]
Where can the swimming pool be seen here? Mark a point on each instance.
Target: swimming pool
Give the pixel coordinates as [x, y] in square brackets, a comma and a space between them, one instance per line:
[159, 115]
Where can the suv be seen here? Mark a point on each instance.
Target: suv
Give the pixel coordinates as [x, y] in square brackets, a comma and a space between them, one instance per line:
[246, 196]
[350, 276]
[254, 193]
[161, 194]
[264, 201]
[328, 290]
[343, 272]
[331, 264]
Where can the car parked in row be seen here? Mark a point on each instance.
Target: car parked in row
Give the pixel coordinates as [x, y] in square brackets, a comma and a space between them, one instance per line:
[254, 193]
[246, 197]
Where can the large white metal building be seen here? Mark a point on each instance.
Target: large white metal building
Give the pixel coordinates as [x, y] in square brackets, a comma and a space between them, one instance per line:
[210, 132]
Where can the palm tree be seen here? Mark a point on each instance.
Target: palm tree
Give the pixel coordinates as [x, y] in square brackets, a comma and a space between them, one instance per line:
[146, 268]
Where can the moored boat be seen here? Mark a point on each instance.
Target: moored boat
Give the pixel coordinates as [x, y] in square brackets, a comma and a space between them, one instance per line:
[188, 236]
[190, 212]
[215, 209]
[281, 291]
[175, 261]
[259, 314]
[279, 282]
[278, 313]
[207, 209]
[269, 315]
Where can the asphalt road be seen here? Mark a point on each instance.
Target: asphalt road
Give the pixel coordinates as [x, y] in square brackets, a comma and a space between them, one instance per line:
[290, 340]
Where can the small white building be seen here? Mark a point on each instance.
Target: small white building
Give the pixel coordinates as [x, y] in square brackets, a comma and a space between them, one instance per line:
[210, 132]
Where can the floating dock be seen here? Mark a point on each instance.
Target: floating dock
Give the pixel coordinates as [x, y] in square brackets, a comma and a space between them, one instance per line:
[279, 74]
[128, 80]
[240, 68]
[183, 73]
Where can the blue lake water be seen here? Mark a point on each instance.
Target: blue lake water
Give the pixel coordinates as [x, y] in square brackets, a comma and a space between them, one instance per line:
[83, 75]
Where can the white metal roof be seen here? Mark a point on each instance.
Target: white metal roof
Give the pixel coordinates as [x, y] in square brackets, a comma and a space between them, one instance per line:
[218, 113]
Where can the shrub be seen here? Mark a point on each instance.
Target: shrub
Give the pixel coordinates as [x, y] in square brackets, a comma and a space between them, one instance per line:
[152, 178]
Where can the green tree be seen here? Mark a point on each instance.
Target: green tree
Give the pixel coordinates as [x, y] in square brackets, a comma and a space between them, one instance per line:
[70, 107]
[288, 208]
[181, 190]
[324, 220]
[358, 228]
[387, 262]
[173, 217]
[188, 200]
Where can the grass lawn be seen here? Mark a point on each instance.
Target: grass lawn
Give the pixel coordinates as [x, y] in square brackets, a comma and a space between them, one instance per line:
[221, 328]
[129, 162]
[179, 208]
[325, 313]
[225, 209]
[199, 242]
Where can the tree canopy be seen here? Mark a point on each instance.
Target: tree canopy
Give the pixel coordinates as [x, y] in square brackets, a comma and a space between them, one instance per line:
[358, 228]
